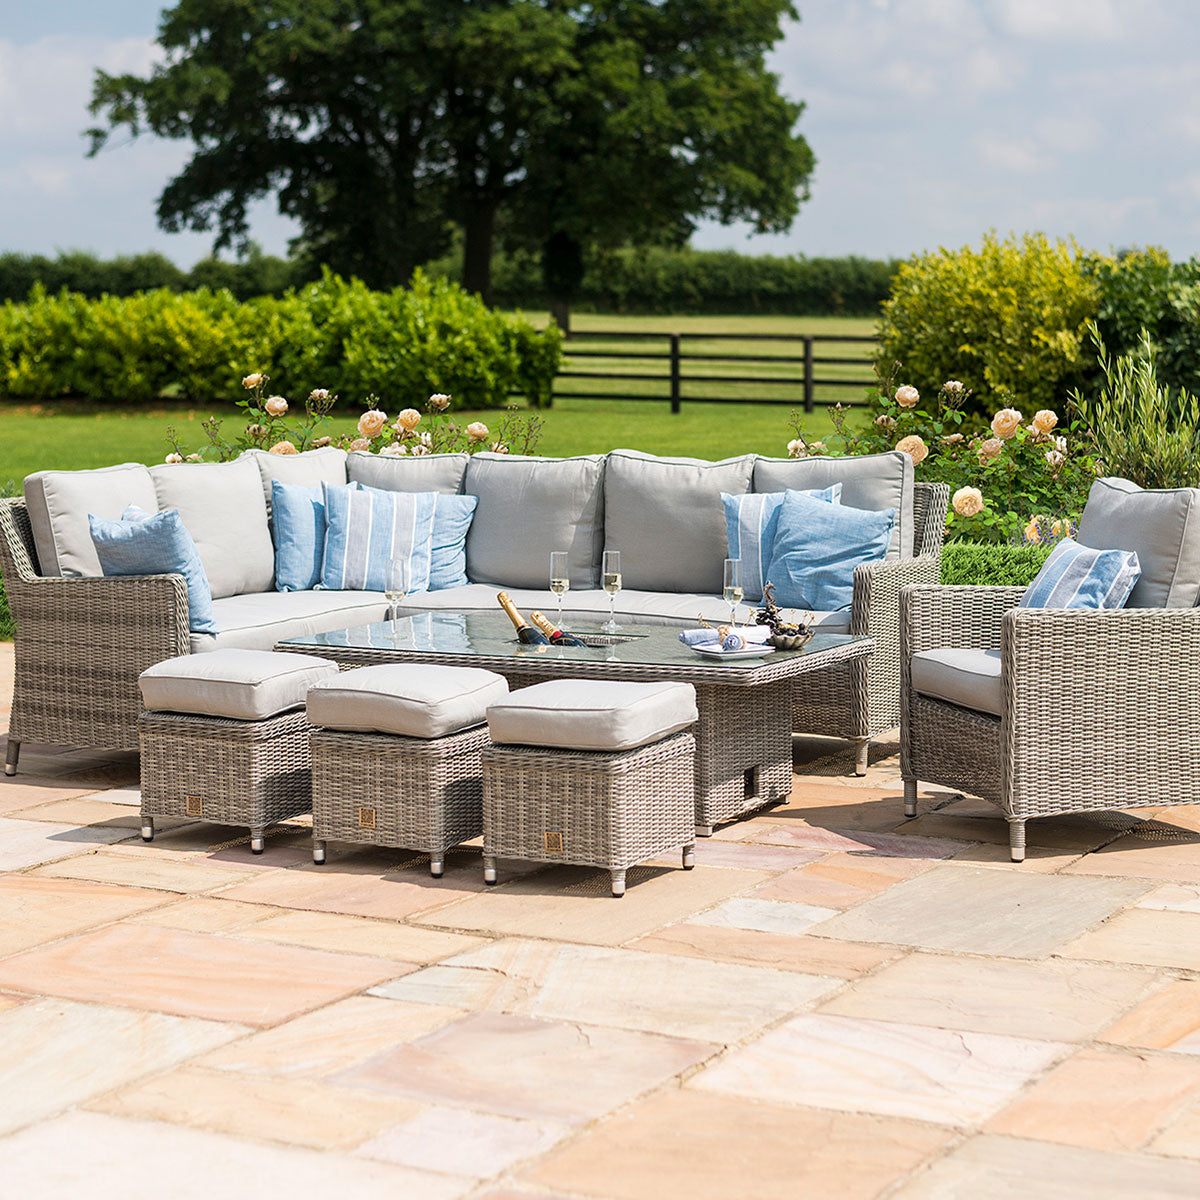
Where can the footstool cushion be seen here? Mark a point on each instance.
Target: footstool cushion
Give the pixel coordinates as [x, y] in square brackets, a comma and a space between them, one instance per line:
[416, 700]
[245, 685]
[590, 714]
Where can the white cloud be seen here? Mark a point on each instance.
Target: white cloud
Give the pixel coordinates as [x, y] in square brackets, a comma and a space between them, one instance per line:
[1010, 155]
[1062, 20]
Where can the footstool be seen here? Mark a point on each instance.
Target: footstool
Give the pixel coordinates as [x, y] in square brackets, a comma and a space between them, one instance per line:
[594, 773]
[224, 738]
[395, 754]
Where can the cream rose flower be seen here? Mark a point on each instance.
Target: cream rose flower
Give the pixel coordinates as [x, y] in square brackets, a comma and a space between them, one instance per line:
[968, 502]
[252, 381]
[372, 422]
[276, 406]
[795, 448]
[1006, 422]
[439, 401]
[885, 421]
[359, 444]
[255, 431]
[418, 450]
[192, 458]
[914, 446]
[322, 441]
[394, 450]
[989, 450]
[408, 420]
[907, 396]
[952, 387]
[426, 439]
[816, 447]
[1055, 459]
[951, 439]
[173, 458]
[1045, 420]
[498, 448]
[477, 431]
[284, 447]
[319, 395]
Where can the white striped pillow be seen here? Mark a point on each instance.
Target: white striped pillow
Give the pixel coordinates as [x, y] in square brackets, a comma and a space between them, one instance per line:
[366, 530]
[1076, 576]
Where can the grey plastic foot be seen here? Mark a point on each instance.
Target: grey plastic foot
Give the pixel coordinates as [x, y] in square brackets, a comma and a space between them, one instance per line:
[437, 867]
[618, 884]
[10, 759]
[1016, 840]
[861, 749]
[910, 797]
[256, 842]
[489, 870]
[689, 857]
[704, 830]
[318, 853]
[147, 829]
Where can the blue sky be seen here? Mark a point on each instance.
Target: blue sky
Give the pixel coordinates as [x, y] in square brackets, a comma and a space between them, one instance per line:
[932, 121]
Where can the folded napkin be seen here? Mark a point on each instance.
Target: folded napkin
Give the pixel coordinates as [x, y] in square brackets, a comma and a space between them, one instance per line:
[751, 634]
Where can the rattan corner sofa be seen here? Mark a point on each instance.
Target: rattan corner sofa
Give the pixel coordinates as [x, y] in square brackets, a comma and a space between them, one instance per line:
[83, 639]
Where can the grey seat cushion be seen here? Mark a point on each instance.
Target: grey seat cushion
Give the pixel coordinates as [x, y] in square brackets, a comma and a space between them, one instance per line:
[407, 473]
[592, 714]
[418, 700]
[970, 678]
[1161, 526]
[58, 503]
[666, 517]
[310, 469]
[530, 507]
[870, 481]
[248, 685]
[259, 620]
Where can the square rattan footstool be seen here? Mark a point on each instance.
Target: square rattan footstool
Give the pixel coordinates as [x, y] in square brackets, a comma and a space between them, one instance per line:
[592, 773]
[224, 738]
[396, 757]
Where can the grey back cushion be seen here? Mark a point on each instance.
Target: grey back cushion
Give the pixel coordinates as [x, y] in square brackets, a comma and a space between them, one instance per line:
[666, 517]
[310, 469]
[58, 503]
[1162, 527]
[529, 507]
[406, 473]
[871, 481]
[223, 508]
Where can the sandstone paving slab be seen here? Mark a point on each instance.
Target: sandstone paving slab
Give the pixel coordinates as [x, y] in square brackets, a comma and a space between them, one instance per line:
[61, 1053]
[1039, 860]
[1059, 1000]
[575, 904]
[532, 1069]
[20, 792]
[128, 796]
[104, 1157]
[35, 910]
[1161, 939]
[853, 841]
[1173, 897]
[711, 852]
[335, 1037]
[359, 935]
[813, 955]
[626, 989]
[764, 916]
[951, 1077]
[974, 910]
[93, 809]
[1004, 1168]
[294, 1111]
[163, 874]
[1169, 1019]
[1134, 857]
[206, 914]
[842, 880]
[190, 974]
[1181, 1138]
[1102, 1099]
[1051, 833]
[480, 1145]
[28, 843]
[710, 1147]
[843, 805]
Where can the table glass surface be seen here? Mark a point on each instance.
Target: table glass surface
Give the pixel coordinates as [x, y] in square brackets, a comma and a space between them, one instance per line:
[491, 635]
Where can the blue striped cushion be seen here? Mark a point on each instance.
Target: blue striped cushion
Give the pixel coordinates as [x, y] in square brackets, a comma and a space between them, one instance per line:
[1076, 576]
[750, 524]
[366, 530]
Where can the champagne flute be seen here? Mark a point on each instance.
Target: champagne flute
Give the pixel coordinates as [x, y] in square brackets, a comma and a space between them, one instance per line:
[396, 585]
[733, 586]
[560, 578]
[612, 585]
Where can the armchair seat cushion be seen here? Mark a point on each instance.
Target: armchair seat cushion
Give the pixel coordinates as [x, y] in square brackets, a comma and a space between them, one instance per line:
[969, 678]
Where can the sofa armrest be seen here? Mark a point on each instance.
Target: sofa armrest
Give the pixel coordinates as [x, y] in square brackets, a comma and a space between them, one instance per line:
[957, 615]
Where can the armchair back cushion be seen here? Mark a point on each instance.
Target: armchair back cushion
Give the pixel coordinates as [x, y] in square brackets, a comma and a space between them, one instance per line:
[407, 472]
[1076, 576]
[874, 482]
[666, 517]
[225, 511]
[58, 503]
[529, 507]
[310, 469]
[1161, 526]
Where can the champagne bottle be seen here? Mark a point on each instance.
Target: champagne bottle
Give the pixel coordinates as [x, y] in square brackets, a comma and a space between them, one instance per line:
[525, 632]
[556, 636]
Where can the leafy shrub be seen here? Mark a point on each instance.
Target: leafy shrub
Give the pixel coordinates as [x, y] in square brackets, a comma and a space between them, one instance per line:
[1007, 317]
[991, 566]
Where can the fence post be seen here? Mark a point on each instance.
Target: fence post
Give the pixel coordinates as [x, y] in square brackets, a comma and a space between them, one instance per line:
[808, 373]
[676, 401]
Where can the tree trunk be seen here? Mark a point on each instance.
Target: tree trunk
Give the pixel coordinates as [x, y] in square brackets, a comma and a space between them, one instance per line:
[562, 271]
[480, 230]
[560, 312]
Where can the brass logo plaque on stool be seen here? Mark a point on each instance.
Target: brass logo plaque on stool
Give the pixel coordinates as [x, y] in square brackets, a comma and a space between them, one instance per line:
[553, 842]
[366, 818]
[193, 806]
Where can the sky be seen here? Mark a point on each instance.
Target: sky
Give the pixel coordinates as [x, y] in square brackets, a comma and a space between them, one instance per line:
[932, 122]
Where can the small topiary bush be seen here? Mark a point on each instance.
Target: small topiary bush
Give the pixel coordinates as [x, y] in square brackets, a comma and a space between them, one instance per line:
[983, 565]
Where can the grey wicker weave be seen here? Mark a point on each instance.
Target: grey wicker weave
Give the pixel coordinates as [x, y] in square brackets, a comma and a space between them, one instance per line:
[385, 790]
[251, 773]
[1100, 711]
[588, 808]
[861, 699]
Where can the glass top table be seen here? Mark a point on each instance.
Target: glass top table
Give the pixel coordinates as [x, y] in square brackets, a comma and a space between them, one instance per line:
[743, 736]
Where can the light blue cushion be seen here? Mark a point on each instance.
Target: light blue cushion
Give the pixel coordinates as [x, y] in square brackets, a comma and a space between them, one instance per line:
[817, 547]
[452, 517]
[366, 530]
[751, 520]
[1076, 576]
[155, 544]
[298, 530]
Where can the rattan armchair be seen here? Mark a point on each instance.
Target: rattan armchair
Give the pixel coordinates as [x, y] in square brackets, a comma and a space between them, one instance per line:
[861, 699]
[1100, 709]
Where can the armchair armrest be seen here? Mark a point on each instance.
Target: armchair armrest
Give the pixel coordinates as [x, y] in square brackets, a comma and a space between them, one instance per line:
[954, 615]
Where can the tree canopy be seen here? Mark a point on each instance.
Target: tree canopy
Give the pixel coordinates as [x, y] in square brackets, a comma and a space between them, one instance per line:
[382, 124]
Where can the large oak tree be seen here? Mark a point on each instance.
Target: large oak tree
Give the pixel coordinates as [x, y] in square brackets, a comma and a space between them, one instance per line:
[381, 124]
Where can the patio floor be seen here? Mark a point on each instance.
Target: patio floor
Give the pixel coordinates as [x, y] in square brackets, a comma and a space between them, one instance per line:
[835, 1003]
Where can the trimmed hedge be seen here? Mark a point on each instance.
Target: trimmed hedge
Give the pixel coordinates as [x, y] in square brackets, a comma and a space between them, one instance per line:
[983, 565]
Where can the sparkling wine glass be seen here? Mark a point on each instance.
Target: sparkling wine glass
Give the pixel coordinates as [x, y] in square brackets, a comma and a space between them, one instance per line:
[560, 578]
[612, 585]
[396, 586]
[733, 586]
